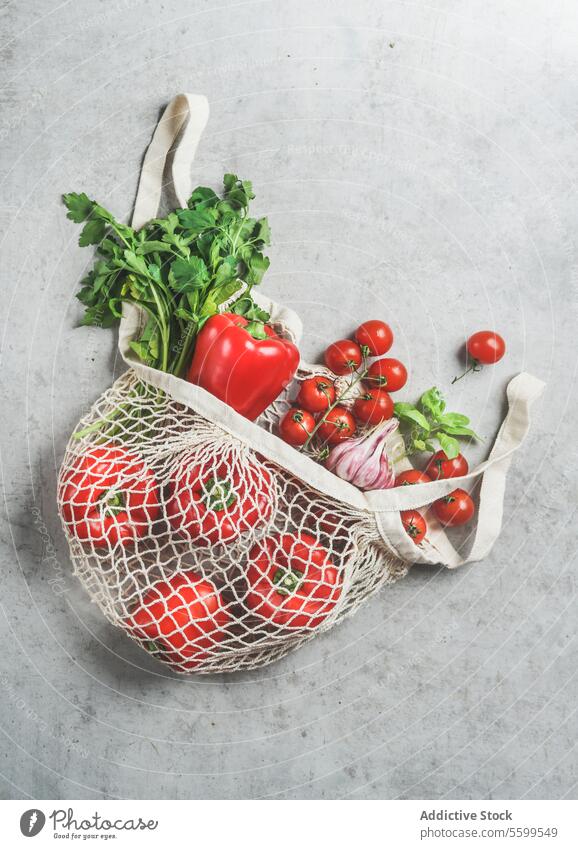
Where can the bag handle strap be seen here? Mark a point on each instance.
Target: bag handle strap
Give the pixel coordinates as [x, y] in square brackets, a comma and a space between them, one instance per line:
[188, 113]
[522, 391]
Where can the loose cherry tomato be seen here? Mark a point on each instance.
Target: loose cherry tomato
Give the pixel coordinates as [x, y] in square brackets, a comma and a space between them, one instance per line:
[410, 477]
[486, 347]
[338, 425]
[296, 425]
[389, 373]
[454, 509]
[439, 467]
[373, 407]
[343, 357]
[376, 336]
[316, 394]
[414, 524]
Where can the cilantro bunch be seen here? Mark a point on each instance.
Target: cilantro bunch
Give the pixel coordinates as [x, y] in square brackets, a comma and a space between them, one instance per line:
[180, 269]
[428, 421]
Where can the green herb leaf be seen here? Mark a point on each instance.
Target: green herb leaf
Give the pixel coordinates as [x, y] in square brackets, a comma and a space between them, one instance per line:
[197, 219]
[92, 232]
[461, 431]
[202, 196]
[247, 307]
[187, 275]
[448, 444]
[79, 206]
[454, 420]
[408, 413]
[433, 402]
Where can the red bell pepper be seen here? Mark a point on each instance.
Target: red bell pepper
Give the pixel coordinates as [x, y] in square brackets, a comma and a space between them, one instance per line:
[110, 496]
[244, 363]
[184, 617]
[292, 581]
[216, 503]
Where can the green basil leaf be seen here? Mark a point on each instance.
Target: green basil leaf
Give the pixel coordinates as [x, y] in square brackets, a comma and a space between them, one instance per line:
[454, 419]
[448, 444]
[461, 431]
[433, 402]
[407, 412]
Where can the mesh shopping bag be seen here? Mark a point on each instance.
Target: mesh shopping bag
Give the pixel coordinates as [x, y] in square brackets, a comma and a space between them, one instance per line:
[223, 547]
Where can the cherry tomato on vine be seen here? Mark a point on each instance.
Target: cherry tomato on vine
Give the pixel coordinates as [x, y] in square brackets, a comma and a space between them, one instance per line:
[486, 347]
[338, 425]
[389, 373]
[439, 467]
[316, 394]
[343, 357]
[296, 426]
[374, 335]
[454, 509]
[373, 407]
[410, 477]
[414, 524]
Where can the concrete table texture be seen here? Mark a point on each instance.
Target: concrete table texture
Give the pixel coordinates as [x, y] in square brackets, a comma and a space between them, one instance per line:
[417, 163]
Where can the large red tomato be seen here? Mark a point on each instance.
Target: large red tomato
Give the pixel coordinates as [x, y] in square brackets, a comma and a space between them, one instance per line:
[292, 582]
[216, 502]
[183, 616]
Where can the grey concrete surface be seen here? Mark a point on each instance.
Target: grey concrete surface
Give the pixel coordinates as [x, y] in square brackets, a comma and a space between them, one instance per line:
[417, 162]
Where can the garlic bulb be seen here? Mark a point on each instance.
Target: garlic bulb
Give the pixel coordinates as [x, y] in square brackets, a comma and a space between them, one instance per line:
[364, 461]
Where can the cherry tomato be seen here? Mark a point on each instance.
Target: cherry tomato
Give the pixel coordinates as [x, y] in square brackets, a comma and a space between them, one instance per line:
[296, 425]
[376, 336]
[454, 509]
[410, 477]
[373, 407]
[388, 373]
[486, 347]
[316, 394]
[343, 357]
[338, 425]
[414, 524]
[439, 467]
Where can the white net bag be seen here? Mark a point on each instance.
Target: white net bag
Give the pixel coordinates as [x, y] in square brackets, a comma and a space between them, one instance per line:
[207, 539]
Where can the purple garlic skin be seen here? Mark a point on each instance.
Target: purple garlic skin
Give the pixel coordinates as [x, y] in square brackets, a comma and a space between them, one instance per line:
[364, 461]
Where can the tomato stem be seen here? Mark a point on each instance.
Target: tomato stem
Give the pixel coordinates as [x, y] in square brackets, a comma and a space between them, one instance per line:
[287, 580]
[218, 494]
[475, 366]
